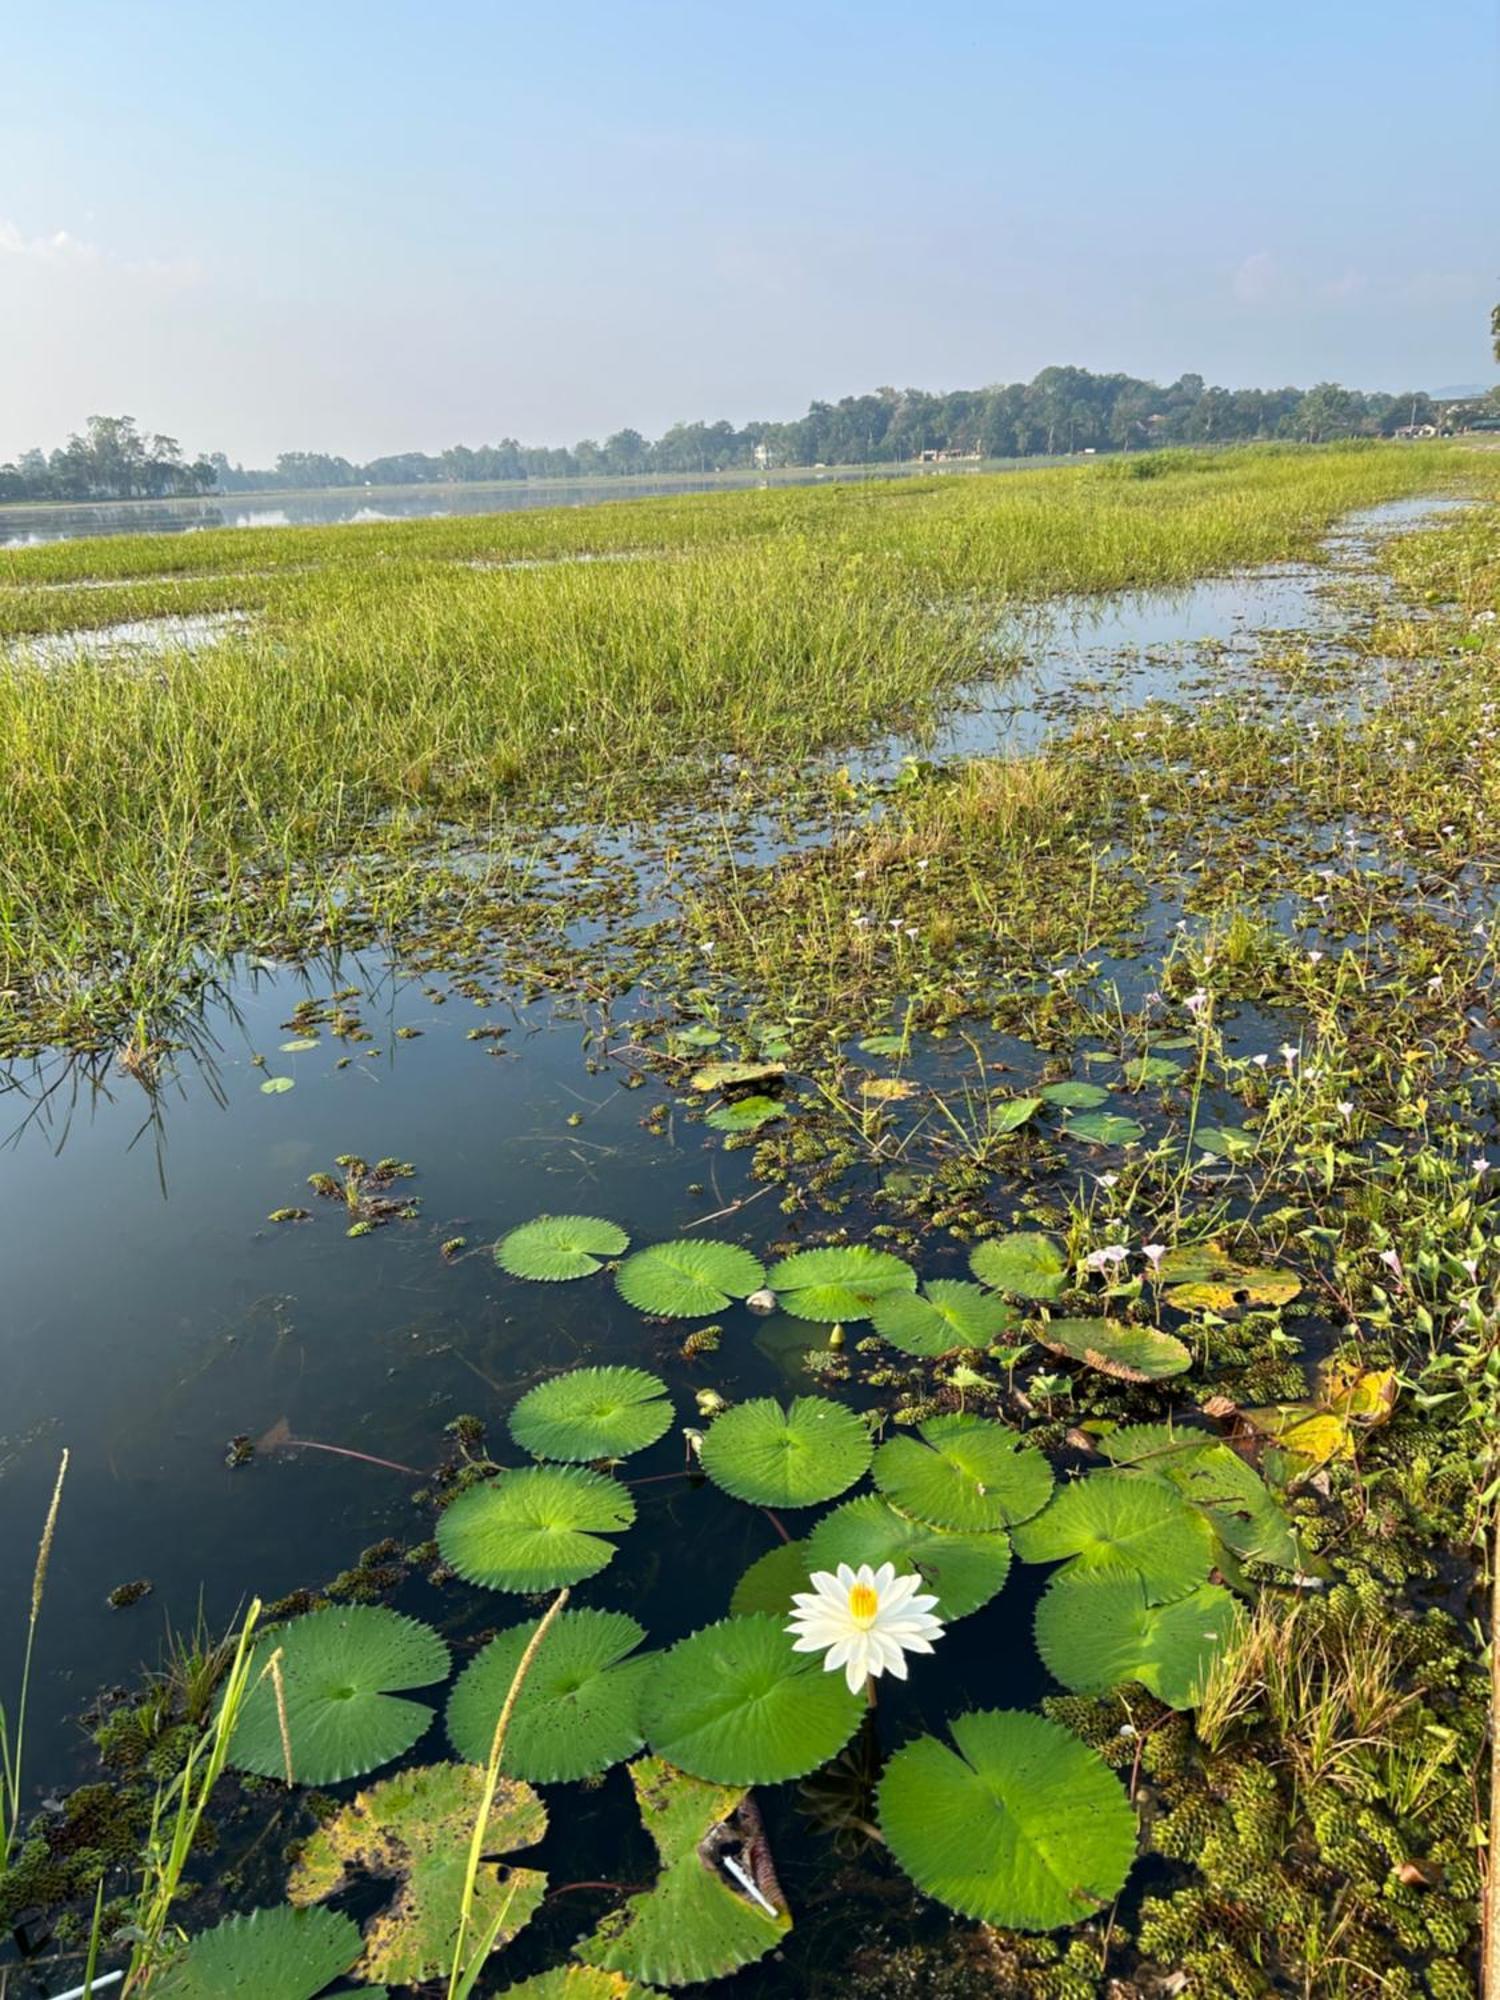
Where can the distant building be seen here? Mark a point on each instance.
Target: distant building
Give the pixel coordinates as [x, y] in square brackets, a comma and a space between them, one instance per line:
[1417, 431]
[945, 455]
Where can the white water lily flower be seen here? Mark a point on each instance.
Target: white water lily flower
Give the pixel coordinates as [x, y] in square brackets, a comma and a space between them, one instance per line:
[865, 1621]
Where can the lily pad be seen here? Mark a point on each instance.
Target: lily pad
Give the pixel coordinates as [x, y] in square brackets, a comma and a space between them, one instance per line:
[1143, 1071]
[592, 1413]
[769, 1582]
[697, 1921]
[1011, 1113]
[735, 1704]
[1026, 1264]
[963, 1571]
[1074, 1094]
[536, 1528]
[578, 1982]
[1105, 1128]
[1225, 1142]
[1245, 1514]
[883, 1045]
[813, 1450]
[1096, 1629]
[963, 1472]
[1207, 1278]
[729, 1075]
[415, 1829]
[1123, 1521]
[299, 1046]
[276, 1954]
[578, 1709]
[840, 1283]
[1021, 1824]
[556, 1247]
[947, 1314]
[276, 1086]
[745, 1114]
[1114, 1347]
[689, 1279]
[338, 1670]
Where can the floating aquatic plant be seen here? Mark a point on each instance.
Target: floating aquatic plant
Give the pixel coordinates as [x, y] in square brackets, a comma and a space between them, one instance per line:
[578, 1710]
[556, 1247]
[1123, 1521]
[963, 1570]
[715, 1904]
[1026, 1264]
[1019, 1824]
[536, 1528]
[592, 1413]
[770, 1580]
[414, 1829]
[963, 1472]
[276, 1954]
[335, 1683]
[945, 1315]
[735, 1704]
[745, 1114]
[1115, 1347]
[1074, 1094]
[1245, 1514]
[838, 1284]
[1098, 1628]
[689, 1279]
[1105, 1128]
[812, 1450]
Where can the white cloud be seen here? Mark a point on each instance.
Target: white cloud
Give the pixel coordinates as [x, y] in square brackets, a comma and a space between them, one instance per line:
[63, 249]
[1257, 279]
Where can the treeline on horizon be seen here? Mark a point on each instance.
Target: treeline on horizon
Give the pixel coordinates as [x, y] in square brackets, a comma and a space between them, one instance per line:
[1062, 411]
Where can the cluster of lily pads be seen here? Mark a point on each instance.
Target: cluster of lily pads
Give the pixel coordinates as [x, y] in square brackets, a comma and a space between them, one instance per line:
[1006, 1817]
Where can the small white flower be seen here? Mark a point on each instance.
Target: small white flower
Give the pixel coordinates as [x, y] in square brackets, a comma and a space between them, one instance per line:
[1345, 1109]
[1260, 1061]
[1101, 1260]
[1313, 957]
[865, 1621]
[1155, 1251]
[1288, 1054]
[1196, 1002]
[1392, 1261]
[1480, 1165]
[1106, 1180]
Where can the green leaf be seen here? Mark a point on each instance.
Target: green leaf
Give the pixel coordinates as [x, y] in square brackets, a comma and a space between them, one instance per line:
[948, 1314]
[1205, 1278]
[725, 1075]
[1123, 1521]
[534, 1529]
[696, 1922]
[1129, 1353]
[745, 1114]
[735, 1704]
[1096, 1629]
[792, 1457]
[298, 1047]
[414, 1829]
[277, 1954]
[578, 1982]
[1011, 1113]
[1105, 1128]
[1225, 1142]
[963, 1472]
[1023, 1825]
[688, 1279]
[1146, 1070]
[1025, 1263]
[964, 1571]
[555, 1247]
[592, 1413]
[274, 1086]
[577, 1712]
[838, 1284]
[769, 1582]
[883, 1045]
[337, 1668]
[1246, 1515]
[1073, 1094]
[699, 1036]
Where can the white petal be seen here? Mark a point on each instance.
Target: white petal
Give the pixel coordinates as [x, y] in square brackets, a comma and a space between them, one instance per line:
[884, 1577]
[857, 1673]
[846, 1577]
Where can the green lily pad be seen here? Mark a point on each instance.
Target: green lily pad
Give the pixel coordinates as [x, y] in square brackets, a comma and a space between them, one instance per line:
[556, 1247]
[1011, 1113]
[840, 1283]
[276, 1954]
[1096, 1629]
[414, 1829]
[338, 1670]
[1113, 1347]
[1246, 1515]
[1073, 1094]
[592, 1413]
[1026, 1264]
[947, 1314]
[696, 1922]
[769, 1582]
[1105, 1128]
[963, 1472]
[962, 1571]
[745, 1114]
[536, 1528]
[1146, 1070]
[813, 1450]
[736, 1705]
[728, 1075]
[1021, 1824]
[276, 1086]
[578, 1982]
[1123, 1521]
[689, 1279]
[1225, 1142]
[578, 1709]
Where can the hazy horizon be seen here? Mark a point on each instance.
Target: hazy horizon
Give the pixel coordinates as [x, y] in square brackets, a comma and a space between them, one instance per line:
[339, 230]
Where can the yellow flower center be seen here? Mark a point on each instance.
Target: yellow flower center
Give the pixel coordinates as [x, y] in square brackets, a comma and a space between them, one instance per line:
[863, 1604]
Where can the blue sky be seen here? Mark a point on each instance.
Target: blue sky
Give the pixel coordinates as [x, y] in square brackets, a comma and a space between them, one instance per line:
[379, 227]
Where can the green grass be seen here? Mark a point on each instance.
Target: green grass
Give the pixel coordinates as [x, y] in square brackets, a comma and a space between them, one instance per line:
[400, 682]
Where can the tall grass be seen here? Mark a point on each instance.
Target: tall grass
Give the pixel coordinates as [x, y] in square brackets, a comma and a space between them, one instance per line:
[400, 679]
[13, 1733]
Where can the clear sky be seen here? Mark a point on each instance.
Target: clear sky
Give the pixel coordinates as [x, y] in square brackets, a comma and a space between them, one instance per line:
[387, 226]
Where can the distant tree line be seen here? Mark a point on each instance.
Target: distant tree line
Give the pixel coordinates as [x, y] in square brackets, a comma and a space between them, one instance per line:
[110, 460]
[1064, 410]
